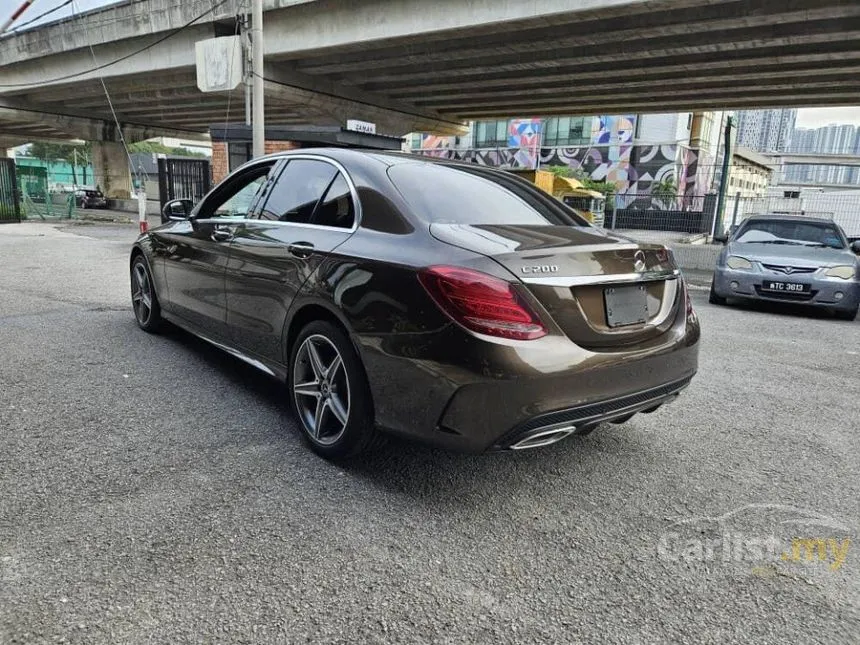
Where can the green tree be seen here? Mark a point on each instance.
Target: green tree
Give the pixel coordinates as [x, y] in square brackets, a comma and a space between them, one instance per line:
[665, 191]
[75, 155]
[605, 187]
[157, 148]
[59, 151]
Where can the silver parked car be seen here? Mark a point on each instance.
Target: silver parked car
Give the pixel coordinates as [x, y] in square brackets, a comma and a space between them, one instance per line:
[786, 258]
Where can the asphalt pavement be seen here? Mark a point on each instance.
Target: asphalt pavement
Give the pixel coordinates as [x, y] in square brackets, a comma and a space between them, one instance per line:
[155, 490]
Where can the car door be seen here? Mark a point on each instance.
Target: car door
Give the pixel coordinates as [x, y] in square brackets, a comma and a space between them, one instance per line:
[310, 209]
[195, 251]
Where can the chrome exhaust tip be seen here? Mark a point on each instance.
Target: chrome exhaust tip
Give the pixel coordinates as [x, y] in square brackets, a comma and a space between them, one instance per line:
[543, 438]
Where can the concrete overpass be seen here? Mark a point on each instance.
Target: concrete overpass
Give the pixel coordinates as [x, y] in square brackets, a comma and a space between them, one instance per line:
[412, 65]
[813, 159]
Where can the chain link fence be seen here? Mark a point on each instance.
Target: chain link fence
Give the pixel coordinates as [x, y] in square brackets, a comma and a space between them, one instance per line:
[696, 215]
[841, 207]
[670, 213]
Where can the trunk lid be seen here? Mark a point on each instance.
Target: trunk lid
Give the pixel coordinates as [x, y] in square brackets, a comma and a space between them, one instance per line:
[569, 270]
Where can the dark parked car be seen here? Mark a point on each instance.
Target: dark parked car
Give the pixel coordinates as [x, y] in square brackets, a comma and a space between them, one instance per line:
[449, 303]
[787, 258]
[90, 198]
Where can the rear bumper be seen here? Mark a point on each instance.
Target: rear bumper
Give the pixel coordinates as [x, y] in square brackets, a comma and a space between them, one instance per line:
[823, 292]
[474, 396]
[548, 428]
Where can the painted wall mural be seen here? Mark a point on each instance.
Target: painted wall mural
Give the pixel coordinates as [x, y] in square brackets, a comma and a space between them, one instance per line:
[608, 130]
[633, 168]
[524, 137]
[435, 142]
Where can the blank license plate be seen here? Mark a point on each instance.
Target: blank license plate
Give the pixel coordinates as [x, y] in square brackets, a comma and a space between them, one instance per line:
[785, 287]
[625, 305]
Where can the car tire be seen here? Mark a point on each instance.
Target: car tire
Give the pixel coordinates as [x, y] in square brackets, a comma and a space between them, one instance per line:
[849, 314]
[713, 298]
[329, 393]
[144, 301]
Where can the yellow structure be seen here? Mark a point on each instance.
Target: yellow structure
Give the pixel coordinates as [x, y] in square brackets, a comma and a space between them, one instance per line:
[591, 204]
[750, 174]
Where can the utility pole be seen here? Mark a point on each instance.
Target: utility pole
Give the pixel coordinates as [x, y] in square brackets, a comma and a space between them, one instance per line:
[258, 124]
[724, 177]
[16, 15]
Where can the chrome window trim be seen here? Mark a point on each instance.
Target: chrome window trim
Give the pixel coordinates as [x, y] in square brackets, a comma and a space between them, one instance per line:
[580, 280]
[244, 167]
[352, 190]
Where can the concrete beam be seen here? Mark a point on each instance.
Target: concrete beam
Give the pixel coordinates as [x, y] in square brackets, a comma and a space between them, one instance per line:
[120, 22]
[646, 106]
[93, 90]
[789, 39]
[715, 90]
[80, 126]
[161, 97]
[355, 26]
[694, 26]
[662, 96]
[644, 77]
[323, 96]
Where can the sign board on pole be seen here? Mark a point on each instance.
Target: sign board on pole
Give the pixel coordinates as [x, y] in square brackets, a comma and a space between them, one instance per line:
[361, 126]
[219, 63]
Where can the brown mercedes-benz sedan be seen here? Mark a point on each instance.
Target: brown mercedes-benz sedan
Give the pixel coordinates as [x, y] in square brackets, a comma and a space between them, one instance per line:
[450, 303]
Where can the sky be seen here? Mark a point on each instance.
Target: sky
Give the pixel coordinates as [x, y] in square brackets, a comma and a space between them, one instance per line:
[806, 118]
[817, 117]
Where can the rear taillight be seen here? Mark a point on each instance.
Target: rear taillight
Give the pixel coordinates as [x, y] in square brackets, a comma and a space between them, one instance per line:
[688, 302]
[482, 303]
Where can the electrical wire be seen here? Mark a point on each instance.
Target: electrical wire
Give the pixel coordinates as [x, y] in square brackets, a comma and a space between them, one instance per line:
[110, 103]
[121, 58]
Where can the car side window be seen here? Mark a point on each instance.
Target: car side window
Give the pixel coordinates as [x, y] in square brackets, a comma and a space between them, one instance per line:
[336, 207]
[298, 190]
[235, 198]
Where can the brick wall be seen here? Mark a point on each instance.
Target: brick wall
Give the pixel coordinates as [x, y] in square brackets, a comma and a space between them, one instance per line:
[220, 165]
[280, 146]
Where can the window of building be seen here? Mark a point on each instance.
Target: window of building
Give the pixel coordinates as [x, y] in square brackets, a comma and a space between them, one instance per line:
[491, 134]
[567, 131]
[237, 154]
[416, 140]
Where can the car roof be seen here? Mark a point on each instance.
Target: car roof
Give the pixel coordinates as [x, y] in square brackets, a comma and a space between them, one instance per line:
[358, 155]
[790, 218]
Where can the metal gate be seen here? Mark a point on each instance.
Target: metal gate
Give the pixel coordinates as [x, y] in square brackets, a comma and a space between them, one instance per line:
[183, 179]
[10, 208]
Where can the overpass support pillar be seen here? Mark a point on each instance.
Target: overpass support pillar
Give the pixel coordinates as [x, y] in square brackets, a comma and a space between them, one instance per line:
[112, 174]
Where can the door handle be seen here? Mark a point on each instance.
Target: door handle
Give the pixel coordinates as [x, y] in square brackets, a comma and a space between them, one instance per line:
[222, 235]
[301, 249]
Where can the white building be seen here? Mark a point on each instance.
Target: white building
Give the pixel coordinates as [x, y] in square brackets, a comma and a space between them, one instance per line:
[830, 139]
[766, 130]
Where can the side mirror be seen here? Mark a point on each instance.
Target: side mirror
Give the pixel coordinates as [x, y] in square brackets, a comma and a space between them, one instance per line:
[721, 238]
[855, 246]
[176, 210]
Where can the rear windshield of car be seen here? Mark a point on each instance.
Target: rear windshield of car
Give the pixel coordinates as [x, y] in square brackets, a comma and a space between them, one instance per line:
[458, 195]
[777, 231]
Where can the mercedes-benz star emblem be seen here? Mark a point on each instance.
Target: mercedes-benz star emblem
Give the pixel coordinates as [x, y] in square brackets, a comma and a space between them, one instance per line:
[639, 261]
